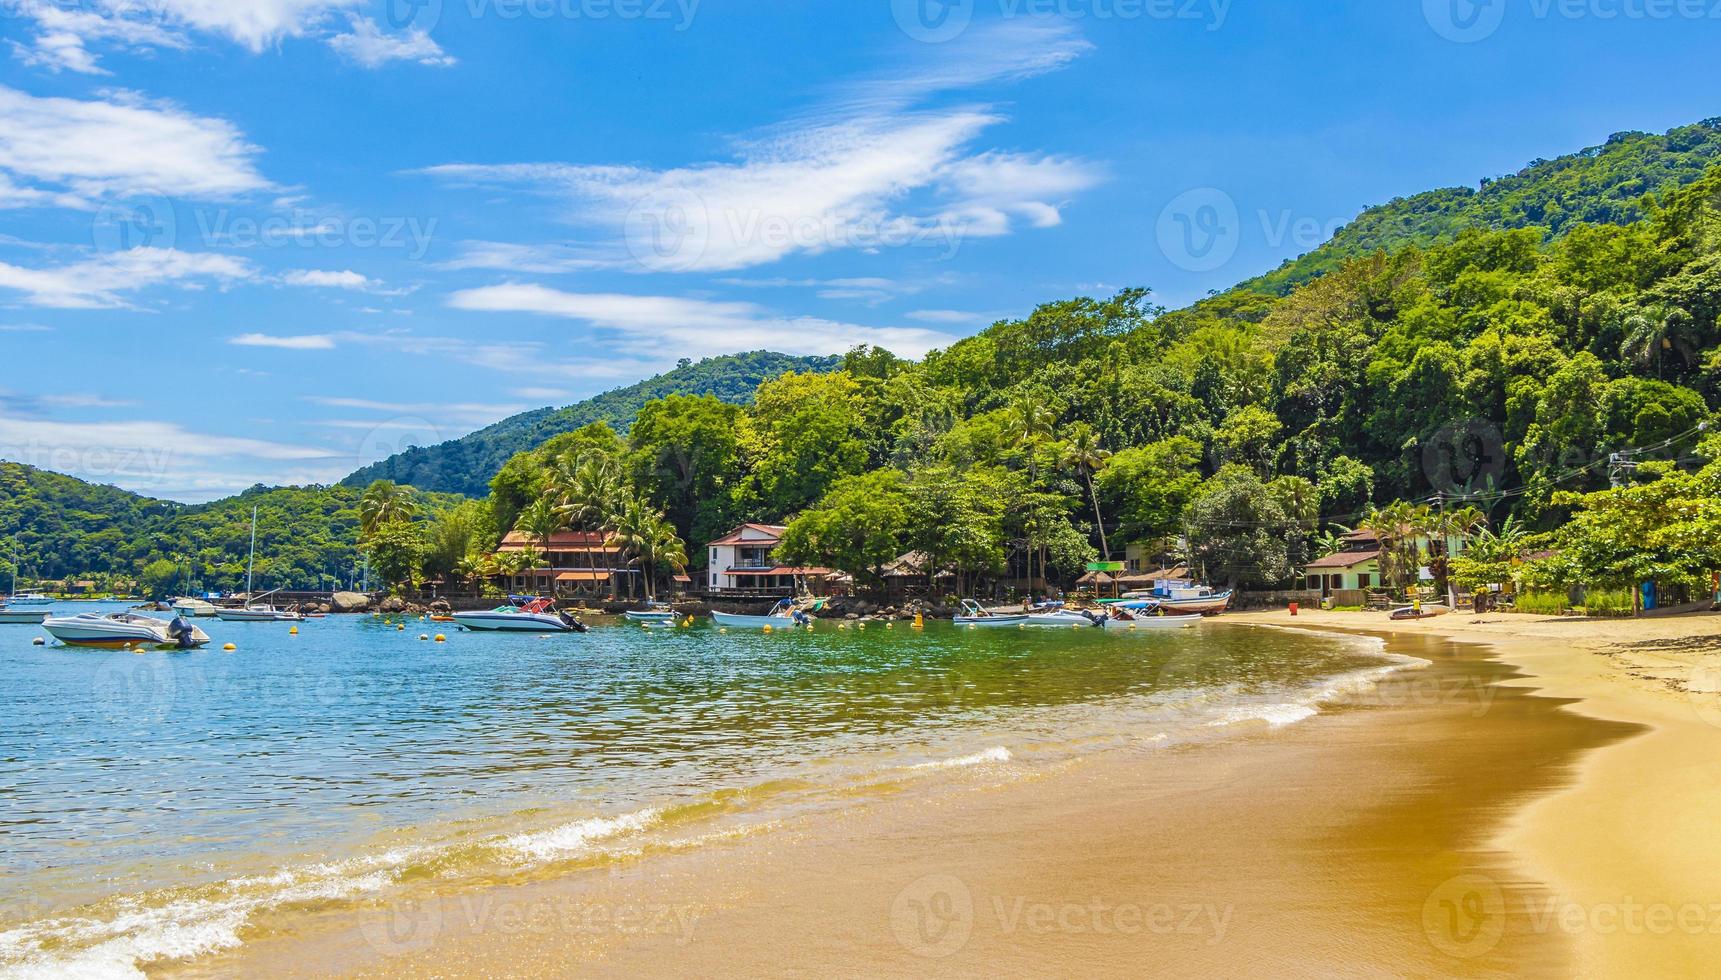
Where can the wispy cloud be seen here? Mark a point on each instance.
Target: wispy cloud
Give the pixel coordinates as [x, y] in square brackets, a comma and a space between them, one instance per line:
[953, 318]
[328, 279]
[312, 341]
[873, 168]
[99, 282]
[679, 326]
[367, 45]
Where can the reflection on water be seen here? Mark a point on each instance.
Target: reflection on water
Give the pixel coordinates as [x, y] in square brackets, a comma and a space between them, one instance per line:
[126, 773]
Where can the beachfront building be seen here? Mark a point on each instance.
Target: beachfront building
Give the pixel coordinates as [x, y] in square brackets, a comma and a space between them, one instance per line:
[575, 563]
[741, 561]
[1355, 567]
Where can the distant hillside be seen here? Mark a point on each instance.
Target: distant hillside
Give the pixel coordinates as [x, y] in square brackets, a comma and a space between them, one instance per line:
[465, 465]
[1601, 185]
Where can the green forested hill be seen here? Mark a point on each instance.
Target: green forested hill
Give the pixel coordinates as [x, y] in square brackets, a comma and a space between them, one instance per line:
[60, 527]
[1604, 184]
[467, 464]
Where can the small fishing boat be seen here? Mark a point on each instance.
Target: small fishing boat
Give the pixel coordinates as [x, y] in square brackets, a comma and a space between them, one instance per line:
[523, 614]
[656, 612]
[782, 616]
[192, 606]
[1421, 611]
[1185, 596]
[22, 617]
[974, 615]
[122, 630]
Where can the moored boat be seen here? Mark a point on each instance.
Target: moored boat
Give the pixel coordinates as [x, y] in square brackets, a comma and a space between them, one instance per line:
[258, 612]
[656, 612]
[1124, 620]
[192, 606]
[782, 616]
[973, 614]
[1184, 596]
[1053, 614]
[21, 617]
[1421, 610]
[520, 616]
[122, 630]
[28, 599]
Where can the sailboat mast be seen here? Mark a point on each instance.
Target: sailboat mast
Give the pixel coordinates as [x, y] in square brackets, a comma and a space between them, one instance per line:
[252, 562]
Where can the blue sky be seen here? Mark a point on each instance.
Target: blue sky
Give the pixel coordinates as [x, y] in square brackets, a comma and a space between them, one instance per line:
[272, 240]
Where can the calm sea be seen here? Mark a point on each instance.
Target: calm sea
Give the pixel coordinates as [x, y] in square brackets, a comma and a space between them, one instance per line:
[156, 805]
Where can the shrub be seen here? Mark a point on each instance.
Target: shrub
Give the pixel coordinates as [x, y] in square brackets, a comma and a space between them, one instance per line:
[1541, 603]
[1608, 602]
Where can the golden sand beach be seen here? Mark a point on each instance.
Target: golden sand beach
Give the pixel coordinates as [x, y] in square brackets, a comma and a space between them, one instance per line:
[1537, 801]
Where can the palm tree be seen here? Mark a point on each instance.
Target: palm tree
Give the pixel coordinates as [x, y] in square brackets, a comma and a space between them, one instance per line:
[539, 522]
[1396, 527]
[1084, 455]
[648, 539]
[384, 502]
[1654, 335]
[1032, 424]
[586, 491]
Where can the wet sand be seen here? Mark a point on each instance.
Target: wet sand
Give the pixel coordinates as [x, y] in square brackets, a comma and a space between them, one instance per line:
[1404, 833]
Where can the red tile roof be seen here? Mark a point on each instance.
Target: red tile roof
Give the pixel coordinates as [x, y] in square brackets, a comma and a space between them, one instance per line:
[1344, 559]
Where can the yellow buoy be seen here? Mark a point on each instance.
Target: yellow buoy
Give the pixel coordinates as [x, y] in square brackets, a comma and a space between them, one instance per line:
[293, 631]
[767, 629]
[400, 627]
[229, 647]
[919, 621]
[890, 626]
[860, 626]
[441, 639]
[722, 629]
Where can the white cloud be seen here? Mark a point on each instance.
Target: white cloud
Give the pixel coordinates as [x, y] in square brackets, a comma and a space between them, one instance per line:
[312, 341]
[83, 400]
[327, 279]
[367, 45]
[97, 283]
[471, 413]
[676, 326]
[121, 147]
[62, 36]
[867, 172]
[544, 394]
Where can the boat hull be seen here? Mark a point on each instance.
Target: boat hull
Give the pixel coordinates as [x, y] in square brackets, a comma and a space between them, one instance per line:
[116, 634]
[29, 600]
[651, 616]
[992, 622]
[22, 617]
[257, 616]
[516, 622]
[1154, 623]
[1204, 606]
[1059, 619]
[752, 622]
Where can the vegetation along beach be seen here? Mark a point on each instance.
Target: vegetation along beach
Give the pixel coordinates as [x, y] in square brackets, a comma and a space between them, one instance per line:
[914, 489]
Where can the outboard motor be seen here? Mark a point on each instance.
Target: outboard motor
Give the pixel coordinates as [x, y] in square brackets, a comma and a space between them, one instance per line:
[180, 630]
[572, 621]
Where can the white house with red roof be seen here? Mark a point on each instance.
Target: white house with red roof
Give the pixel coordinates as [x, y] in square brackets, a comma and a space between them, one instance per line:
[742, 561]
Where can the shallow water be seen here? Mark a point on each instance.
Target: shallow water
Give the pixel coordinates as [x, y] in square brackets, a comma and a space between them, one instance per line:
[155, 805]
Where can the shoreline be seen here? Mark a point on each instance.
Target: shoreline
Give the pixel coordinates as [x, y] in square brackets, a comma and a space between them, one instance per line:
[1628, 848]
[1325, 846]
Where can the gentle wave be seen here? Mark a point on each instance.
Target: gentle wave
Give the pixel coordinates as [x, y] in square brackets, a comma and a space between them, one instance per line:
[997, 753]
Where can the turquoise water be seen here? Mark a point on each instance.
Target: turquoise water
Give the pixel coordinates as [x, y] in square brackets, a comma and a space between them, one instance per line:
[155, 803]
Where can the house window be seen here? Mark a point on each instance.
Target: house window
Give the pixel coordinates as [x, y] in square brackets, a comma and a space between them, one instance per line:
[1363, 580]
[1313, 582]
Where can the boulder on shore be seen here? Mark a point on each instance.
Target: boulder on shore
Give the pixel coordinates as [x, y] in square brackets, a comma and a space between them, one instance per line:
[349, 602]
[393, 604]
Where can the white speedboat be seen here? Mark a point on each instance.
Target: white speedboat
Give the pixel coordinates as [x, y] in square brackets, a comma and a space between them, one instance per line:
[122, 630]
[189, 606]
[1125, 621]
[258, 612]
[974, 615]
[1055, 615]
[535, 616]
[29, 599]
[22, 617]
[783, 616]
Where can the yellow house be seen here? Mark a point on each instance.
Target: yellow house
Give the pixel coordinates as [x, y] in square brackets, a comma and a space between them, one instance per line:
[1356, 565]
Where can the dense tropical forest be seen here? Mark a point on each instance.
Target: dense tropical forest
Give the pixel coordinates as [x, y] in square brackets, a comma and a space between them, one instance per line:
[1534, 369]
[465, 465]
